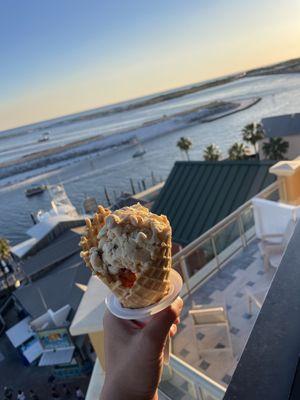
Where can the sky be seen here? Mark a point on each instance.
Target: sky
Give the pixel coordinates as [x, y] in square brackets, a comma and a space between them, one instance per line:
[64, 56]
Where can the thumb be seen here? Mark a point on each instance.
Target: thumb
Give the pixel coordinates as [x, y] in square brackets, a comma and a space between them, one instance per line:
[157, 329]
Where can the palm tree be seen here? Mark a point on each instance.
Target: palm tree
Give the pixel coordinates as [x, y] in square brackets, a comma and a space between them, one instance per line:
[212, 153]
[237, 151]
[4, 256]
[276, 148]
[185, 145]
[253, 133]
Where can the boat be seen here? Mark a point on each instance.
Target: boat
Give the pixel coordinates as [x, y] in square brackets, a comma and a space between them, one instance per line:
[44, 138]
[140, 149]
[48, 224]
[34, 190]
[60, 205]
[138, 153]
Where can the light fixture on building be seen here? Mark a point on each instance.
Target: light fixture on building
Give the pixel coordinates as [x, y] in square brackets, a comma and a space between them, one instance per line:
[17, 284]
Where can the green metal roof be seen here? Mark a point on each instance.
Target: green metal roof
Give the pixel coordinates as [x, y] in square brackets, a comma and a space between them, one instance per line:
[199, 194]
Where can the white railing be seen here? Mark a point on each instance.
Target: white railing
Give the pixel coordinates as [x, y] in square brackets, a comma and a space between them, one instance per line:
[198, 385]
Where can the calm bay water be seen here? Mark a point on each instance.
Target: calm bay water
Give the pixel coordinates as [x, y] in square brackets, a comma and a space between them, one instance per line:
[280, 94]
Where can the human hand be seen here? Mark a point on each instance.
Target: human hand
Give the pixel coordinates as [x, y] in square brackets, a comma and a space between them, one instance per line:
[134, 354]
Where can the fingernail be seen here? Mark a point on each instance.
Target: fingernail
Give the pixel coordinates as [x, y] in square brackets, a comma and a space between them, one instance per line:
[173, 330]
[179, 302]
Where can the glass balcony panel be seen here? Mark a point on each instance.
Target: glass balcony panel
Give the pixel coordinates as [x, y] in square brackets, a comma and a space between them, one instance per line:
[247, 218]
[200, 257]
[273, 196]
[206, 395]
[228, 240]
[176, 386]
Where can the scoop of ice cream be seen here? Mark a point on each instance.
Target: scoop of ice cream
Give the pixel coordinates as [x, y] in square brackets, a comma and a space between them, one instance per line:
[131, 253]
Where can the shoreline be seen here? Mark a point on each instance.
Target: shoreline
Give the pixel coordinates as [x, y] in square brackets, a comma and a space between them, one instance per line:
[285, 67]
[120, 108]
[147, 131]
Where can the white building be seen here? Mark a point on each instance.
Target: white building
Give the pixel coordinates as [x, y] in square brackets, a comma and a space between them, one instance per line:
[285, 126]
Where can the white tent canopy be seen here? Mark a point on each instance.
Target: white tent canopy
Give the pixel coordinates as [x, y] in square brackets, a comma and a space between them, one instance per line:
[33, 351]
[20, 332]
[52, 318]
[57, 356]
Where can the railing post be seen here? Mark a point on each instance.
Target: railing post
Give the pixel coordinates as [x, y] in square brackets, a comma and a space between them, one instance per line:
[202, 385]
[242, 230]
[198, 392]
[185, 273]
[213, 243]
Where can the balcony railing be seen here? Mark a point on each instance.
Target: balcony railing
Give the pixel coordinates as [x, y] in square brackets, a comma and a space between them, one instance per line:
[189, 381]
[207, 254]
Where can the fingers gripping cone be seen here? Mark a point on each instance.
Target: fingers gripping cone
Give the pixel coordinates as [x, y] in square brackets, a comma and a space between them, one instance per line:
[145, 314]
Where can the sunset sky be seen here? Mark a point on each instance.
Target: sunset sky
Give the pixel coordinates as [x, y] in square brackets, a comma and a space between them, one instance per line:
[64, 56]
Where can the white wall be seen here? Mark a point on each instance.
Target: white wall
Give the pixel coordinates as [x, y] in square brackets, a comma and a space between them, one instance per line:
[58, 318]
[272, 217]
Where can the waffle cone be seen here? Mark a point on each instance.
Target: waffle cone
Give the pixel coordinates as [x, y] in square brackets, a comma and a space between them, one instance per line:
[151, 283]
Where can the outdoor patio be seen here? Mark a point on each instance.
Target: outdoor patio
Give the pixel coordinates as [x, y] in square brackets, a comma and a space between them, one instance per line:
[239, 287]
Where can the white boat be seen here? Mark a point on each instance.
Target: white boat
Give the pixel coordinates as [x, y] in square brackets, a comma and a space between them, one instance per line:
[62, 211]
[60, 204]
[44, 138]
[140, 149]
[32, 191]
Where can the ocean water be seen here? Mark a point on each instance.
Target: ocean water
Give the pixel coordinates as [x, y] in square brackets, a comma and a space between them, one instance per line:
[113, 169]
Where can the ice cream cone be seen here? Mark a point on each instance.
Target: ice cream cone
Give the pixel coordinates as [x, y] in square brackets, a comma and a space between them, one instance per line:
[130, 251]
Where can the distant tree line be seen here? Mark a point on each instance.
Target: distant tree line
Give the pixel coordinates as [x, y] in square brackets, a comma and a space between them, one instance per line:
[274, 149]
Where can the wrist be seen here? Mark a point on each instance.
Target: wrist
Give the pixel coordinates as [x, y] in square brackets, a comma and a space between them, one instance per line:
[114, 391]
[156, 395]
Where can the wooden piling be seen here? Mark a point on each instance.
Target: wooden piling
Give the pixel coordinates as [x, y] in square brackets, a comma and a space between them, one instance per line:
[132, 186]
[153, 178]
[107, 196]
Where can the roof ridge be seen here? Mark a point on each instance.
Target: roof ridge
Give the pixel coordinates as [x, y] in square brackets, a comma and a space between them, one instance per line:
[226, 162]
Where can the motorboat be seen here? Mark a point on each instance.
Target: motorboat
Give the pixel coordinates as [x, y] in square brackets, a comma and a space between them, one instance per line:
[140, 149]
[44, 138]
[34, 190]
